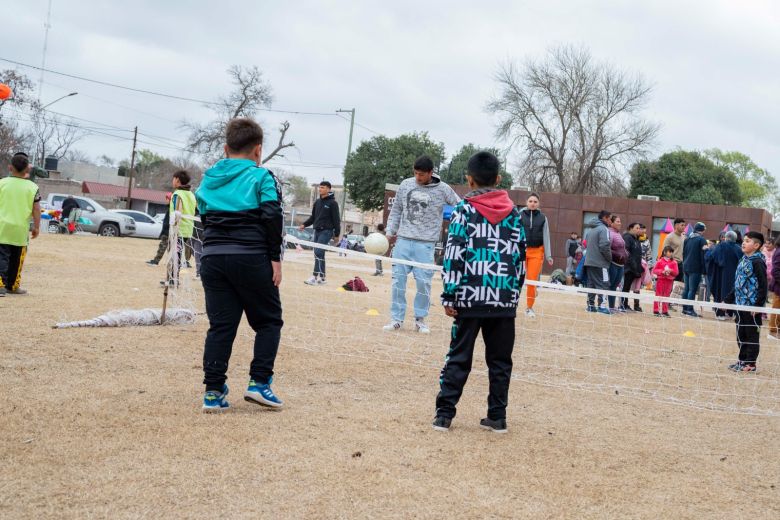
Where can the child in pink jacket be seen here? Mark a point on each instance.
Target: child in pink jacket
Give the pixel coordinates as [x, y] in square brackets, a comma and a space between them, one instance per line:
[666, 271]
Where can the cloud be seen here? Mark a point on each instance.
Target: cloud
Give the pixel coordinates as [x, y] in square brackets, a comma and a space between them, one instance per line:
[405, 66]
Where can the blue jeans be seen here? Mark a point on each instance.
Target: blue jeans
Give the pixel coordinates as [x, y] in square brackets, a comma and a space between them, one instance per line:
[414, 251]
[692, 281]
[615, 277]
[322, 236]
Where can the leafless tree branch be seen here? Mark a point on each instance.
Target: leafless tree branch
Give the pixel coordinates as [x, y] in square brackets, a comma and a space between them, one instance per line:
[281, 145]
[574, 121]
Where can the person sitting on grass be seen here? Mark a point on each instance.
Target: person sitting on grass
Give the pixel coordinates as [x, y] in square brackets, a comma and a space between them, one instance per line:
[750, 289]
[485, 236]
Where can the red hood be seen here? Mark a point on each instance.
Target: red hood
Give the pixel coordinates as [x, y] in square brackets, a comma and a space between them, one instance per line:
[493, 205]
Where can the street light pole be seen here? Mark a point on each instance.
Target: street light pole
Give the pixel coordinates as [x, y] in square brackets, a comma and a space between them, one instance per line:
[59, 98]
[43, 144]
[349, 151]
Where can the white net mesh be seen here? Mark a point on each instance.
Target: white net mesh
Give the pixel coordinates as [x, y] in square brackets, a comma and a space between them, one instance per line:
[677, 360]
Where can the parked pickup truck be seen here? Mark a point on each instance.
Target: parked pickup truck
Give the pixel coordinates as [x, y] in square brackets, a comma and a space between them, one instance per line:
[102, 221]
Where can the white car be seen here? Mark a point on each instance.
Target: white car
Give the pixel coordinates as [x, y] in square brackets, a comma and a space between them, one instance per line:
[145, 225]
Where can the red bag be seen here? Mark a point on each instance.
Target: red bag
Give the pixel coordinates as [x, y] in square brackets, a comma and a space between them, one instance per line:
[71, 227]
[356, 285]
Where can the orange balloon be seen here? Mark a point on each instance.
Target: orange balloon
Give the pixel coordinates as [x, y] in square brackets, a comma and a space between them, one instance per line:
[5, 91]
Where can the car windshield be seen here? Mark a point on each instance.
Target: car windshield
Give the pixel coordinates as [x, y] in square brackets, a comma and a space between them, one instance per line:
[87, 202]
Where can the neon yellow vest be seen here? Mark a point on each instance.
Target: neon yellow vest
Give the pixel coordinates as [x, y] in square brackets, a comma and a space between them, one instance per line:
[188, 203]
[17, 197]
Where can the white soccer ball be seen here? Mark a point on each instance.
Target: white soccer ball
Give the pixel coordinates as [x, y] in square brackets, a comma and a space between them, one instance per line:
[376, 244]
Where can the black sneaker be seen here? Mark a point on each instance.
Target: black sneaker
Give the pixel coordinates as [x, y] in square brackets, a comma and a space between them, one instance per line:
[497, 426]
[152, 262]
[656, 314]
[637, 308]
[442, 424]
[665, 315]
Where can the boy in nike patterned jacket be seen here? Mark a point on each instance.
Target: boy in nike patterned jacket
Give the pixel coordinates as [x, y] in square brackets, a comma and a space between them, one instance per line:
[483, 275]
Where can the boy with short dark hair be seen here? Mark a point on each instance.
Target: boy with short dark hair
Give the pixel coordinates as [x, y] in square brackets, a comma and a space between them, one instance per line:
[750, 289]
[326, 222]
[181, 211]
[19, 200]
[483, 273]
[240, 207]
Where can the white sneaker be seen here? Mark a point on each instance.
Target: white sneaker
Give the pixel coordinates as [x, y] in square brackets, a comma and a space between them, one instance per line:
[392, 326]
[321, 281]
[530, 313]
[311, 281]
[720, 318]
[421, 327]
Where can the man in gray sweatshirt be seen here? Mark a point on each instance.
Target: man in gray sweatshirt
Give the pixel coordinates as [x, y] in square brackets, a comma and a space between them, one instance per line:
[416, 220]
[598, 255]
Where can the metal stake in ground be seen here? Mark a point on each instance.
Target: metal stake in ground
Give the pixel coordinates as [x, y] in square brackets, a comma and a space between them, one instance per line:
[165, 304]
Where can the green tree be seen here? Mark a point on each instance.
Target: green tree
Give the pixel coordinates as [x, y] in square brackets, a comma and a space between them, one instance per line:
[455, 172]
[758, 187]
[382, 160]
[682, 176]
[295, 189]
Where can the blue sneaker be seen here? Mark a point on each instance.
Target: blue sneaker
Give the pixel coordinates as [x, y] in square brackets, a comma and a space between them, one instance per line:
[216, 402]
[604, 310]
[262, 394]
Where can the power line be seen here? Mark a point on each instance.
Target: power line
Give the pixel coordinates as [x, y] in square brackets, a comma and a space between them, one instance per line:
[360, 126]
[153, 93]
[132, 109]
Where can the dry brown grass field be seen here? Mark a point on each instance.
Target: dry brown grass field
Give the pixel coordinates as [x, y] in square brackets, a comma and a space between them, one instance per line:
[106, 422]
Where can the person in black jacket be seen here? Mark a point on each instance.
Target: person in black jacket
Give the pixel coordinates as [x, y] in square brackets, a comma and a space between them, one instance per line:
[693, 265]
[68, 206]
[633, 268]
[327, 225]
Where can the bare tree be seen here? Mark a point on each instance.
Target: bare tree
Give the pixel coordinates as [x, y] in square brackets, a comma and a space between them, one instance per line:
[53, 135]
[21, 86]
[77, 155]
[576, 123]
[105, 160]
[250, 94]
[281, 145]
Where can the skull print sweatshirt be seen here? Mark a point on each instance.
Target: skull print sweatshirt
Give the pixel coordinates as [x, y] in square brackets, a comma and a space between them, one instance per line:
[417, 211]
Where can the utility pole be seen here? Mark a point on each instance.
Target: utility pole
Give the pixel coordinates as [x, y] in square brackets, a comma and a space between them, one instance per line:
[349, 151]
[132, 169]
[46, 26]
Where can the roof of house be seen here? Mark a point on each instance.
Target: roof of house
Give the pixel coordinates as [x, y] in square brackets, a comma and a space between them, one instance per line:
[112, 190]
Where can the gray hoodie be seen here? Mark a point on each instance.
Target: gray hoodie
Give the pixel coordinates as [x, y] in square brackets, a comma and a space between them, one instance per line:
[418, 209]
[599, 251]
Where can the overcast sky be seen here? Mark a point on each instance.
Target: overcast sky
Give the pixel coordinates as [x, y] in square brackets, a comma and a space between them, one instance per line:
[404, 66]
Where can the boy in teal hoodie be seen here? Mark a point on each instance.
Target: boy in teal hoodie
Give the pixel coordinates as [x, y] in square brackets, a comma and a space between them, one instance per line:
[241, 211]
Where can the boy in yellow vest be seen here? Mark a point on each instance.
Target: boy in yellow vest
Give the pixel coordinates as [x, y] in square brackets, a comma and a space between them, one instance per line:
[182, 209]
[19, 200]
